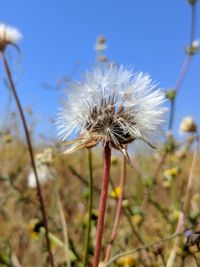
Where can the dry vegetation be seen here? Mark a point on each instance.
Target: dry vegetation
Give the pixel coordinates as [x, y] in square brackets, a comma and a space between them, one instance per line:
[151, 206]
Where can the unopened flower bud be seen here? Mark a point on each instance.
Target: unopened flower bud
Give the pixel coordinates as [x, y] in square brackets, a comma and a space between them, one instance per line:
[188, 125]
[101, 44]
[125, 203]
[171, 94]
[192, 2]
[193, 48]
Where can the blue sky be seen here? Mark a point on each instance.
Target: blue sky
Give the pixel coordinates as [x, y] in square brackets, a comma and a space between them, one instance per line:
[148, 35]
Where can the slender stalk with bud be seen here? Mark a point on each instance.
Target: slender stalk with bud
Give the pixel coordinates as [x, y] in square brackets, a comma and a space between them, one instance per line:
[11, 36]
[191, 50]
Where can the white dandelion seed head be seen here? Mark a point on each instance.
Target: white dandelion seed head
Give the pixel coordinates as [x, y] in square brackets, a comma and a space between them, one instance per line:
[8, 35]
[112, 105]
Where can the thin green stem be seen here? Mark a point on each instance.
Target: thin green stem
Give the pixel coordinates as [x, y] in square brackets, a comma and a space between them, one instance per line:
[171, 114]
[90, 204]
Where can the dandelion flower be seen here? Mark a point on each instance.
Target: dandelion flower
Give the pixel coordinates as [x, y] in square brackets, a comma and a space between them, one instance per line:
[112, 105]
[8, 35]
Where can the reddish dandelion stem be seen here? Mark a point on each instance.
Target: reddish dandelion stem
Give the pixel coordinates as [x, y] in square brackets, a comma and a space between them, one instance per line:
[102, 205]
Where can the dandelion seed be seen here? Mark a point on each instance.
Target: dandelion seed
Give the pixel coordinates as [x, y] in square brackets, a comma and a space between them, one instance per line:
[111, 105]
[8, 35]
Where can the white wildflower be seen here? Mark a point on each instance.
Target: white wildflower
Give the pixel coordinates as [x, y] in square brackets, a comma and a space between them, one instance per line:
[8, 35]
[112, 105]
[45, 170]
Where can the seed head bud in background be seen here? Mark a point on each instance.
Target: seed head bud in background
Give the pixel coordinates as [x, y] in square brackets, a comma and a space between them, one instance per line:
[111, 105]
[101, 44]
[193, 48]
[8, 36]
[188, 125]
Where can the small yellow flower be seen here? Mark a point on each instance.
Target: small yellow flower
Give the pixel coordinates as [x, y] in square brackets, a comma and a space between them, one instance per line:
[127, 261]
[188, 125]
[34, 228]
[171, 173]
[116, 192]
